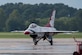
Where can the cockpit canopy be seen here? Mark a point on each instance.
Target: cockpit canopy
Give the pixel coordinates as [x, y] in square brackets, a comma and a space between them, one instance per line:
[33, 25]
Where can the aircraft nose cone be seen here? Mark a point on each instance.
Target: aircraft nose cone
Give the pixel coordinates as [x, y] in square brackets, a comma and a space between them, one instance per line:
[26, 32]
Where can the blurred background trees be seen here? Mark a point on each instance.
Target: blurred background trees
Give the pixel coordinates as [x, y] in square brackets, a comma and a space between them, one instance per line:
[18, 16]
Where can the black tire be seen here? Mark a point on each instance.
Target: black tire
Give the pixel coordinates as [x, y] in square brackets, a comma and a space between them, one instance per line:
[35, 43]
[76, 53]
[51, 42]
[34, 40]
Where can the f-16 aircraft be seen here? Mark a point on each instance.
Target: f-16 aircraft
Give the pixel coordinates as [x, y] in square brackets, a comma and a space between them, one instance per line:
[37, 32]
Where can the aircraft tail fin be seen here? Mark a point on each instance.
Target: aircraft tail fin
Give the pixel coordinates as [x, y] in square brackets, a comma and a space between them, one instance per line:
[51, 20]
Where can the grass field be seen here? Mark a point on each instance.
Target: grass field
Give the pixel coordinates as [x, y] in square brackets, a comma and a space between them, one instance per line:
[21, 35]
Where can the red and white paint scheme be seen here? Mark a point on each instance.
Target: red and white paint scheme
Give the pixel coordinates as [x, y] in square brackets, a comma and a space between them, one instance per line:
[38, 32]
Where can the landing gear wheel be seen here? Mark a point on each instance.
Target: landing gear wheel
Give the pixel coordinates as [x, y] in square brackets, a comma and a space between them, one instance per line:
[35, 43]
[51, 42]
[76, 53]
[34, 40]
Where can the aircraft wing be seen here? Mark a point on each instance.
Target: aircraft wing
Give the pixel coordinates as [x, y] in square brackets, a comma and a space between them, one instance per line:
[65, 31]
[49, 29]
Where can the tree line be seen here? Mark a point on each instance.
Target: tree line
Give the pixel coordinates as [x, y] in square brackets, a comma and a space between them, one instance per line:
[18, 16]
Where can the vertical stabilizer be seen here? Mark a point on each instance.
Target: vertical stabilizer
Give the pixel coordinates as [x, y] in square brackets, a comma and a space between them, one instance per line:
[52, 19]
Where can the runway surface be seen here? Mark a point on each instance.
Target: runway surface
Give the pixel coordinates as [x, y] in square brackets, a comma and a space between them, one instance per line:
[26, 47]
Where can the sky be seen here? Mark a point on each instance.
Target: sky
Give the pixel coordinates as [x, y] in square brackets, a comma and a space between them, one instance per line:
[71, 3]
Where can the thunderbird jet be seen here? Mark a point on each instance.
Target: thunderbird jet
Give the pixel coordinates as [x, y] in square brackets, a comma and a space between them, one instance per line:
[37, 32]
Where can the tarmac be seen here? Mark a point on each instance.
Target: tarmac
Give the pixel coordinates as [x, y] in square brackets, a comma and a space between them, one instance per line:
[26, 47]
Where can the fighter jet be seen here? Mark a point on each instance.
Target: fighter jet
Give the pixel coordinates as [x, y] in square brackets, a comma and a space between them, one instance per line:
[38, 32]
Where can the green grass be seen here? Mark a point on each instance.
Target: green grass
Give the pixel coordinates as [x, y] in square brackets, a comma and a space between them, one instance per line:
[12, 35]
[21, 35]
[62, 35]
